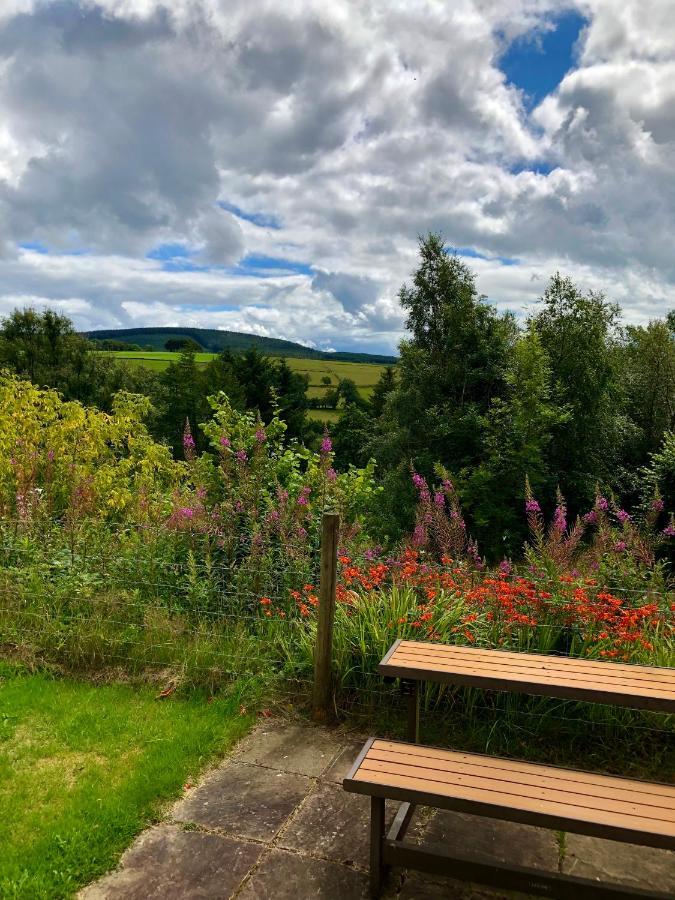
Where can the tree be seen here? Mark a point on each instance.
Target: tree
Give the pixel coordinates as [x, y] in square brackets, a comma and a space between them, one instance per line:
[384, 387]
[580, 335]
[351, 436]
[348, 392]
[517, 433]
[176, 345]
[451, 369]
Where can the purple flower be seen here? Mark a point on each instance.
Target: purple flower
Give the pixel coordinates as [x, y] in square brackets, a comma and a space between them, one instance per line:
[331, 474]
[188, 441]
[620, 546]
[260, 435]
[505, 567]
[622, 516]
[447, 485]
[186, 512]
[439, 499]
[238, 506]
[532, 506]
[418, 481]
[241, 455]
[559, 518]
[302, 500]
[302, 532]
[591, 517]
[602, 503]
[50, 455]
[326, 444]
[419, 536]
[225, 441]
[669, 530]
[658, 505]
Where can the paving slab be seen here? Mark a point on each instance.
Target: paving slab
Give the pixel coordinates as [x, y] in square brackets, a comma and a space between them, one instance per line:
[283, 875]
[635, 866]
[302, 749]
[167, 861]
[418, 886]
[333, 824]
[246, 801]
[491, 840]
[341, 765]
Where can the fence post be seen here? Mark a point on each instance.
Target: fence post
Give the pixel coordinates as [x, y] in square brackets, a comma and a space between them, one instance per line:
[323, 649]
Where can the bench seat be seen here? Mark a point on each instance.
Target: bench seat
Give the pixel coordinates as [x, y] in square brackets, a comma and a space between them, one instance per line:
[561, 799]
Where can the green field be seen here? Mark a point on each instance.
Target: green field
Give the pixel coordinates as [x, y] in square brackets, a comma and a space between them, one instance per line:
[364, 375]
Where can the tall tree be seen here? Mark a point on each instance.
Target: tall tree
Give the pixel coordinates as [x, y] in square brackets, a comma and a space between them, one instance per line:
[451, 368]
[580, 335]
[384, 387]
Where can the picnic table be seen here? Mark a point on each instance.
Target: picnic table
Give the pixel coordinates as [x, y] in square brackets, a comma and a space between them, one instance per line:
[619, 809]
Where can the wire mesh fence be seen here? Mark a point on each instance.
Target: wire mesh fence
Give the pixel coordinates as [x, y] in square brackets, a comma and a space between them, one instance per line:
[199, 608]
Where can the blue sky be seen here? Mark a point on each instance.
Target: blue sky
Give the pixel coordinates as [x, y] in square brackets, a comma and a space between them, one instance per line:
[277, 180]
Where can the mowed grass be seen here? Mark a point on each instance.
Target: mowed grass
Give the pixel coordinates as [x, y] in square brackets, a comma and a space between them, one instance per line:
[85, 767]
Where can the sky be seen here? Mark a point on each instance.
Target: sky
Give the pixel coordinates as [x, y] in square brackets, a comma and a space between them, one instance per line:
[269, 168]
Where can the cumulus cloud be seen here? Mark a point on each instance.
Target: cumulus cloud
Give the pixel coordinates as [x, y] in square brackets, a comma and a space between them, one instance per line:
[323, 139]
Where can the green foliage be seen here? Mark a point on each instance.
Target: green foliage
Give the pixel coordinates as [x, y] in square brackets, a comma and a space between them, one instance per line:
[579, 333]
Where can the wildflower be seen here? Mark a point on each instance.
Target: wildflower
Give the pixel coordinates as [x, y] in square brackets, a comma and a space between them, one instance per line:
[657, 505]
[622, 516]
[560, 518]
[620, 546]
[265, 601]
[186, 512]
[590, 518]
[242, 456]
[326, 444]
[532, 506]
[602, 503]
[505, 567]
[331, 474]
[419, 535]
[439, 499]
[225, 442]
[447, 485]
[260, 435]
[669, 530]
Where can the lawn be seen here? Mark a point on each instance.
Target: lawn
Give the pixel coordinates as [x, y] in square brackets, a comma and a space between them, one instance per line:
[84, 767]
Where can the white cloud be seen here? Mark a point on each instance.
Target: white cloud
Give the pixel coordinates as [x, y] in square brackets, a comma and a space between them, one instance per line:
[355, 126]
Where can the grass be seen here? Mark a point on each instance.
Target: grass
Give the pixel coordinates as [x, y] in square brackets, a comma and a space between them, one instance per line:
[85, 767]
[364, 375]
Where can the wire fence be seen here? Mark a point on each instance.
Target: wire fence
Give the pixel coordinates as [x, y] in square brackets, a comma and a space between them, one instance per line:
[199, 609]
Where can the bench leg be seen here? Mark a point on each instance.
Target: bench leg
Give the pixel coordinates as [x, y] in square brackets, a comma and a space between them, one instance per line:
[377, 869]
[412, 691]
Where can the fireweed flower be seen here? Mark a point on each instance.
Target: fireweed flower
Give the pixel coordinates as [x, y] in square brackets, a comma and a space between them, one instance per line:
[669, 530]
[225, 442]
[418, 481]
[658, 505]
[419, 535]
[590, 518]
[326, 444]
[260, 435]
[505, 567]
[532, 506]
[602, 503]
[186, 512]
[620, 546]
[560, 518]
[241, 455]
[439, 499]
[331, 474]
[622, 516]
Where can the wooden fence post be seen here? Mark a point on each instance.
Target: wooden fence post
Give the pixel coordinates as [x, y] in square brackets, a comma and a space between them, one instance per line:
[323, 649]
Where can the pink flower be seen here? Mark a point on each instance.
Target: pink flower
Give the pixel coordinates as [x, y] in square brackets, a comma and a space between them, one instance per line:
[658, 505]
[241, 455]
[602, 503]
[260, 435]
[326, 444]
[331, 474]
[505, 567]
[439, 499]
[620, 546]
[186, 512]
[622, 516]
[225, 441]
[669, 530]
[591, 517]
[532, 506]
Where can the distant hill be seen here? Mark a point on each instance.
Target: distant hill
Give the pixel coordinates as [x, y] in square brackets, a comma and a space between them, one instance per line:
[214, 341]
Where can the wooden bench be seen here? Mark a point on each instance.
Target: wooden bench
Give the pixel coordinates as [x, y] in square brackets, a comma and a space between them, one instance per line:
[584, 803]
[562, 799]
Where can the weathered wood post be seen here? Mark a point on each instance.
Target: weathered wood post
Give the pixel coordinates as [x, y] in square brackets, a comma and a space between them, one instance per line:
[323, 649]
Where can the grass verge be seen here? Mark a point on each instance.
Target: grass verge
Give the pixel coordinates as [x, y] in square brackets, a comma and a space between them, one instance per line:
[84, 767]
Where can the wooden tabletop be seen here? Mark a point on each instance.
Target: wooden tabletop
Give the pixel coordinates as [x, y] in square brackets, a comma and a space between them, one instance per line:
[639, 687]
[563, 799]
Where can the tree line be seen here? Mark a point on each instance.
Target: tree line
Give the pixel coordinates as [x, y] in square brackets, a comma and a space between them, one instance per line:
[569, 400]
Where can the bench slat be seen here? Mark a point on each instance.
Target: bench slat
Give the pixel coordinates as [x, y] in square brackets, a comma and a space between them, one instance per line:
[646, 687]
[609, 811]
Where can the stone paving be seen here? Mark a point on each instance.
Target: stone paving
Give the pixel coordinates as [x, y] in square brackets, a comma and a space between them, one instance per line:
[272, 821]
